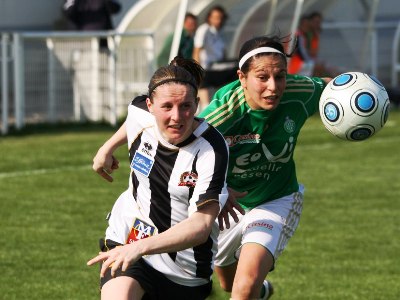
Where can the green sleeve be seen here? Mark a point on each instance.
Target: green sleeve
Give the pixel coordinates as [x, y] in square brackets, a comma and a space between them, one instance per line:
[225, 105]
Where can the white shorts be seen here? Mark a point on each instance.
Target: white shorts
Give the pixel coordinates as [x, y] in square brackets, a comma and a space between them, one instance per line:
[271, 225]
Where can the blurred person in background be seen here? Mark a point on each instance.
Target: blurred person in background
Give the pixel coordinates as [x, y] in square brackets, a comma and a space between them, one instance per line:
[90, 15]
[302, 61]
[305, 60]
[186, 43]
[209, 47]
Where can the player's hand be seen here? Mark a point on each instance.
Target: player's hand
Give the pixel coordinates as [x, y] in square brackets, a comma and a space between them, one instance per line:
[229, 209]
[119, 257]
[104, 164]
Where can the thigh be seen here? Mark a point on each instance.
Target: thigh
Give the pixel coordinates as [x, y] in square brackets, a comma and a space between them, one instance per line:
[272, 224]
[121, 288]
[253, 266]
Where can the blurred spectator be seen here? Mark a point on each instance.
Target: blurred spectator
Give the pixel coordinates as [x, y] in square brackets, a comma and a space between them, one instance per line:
[302, 62]
[87, 15]
[314, 32]
[305, 59]
[186, 44]
[209, 46]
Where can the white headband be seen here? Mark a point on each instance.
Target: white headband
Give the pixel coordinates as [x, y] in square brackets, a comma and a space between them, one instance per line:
[257, 51]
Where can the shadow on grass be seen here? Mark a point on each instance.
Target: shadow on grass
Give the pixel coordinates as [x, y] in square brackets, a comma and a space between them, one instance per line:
[64, 127]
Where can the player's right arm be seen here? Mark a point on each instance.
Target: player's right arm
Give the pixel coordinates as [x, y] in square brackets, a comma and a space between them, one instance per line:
[104, 162]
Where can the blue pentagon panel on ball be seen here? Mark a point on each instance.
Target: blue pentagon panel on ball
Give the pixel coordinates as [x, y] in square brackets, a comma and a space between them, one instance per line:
[342, 79]
[332, 112]
[365, 102]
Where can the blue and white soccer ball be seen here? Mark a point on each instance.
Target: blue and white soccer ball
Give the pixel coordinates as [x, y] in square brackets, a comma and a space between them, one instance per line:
[354, 106]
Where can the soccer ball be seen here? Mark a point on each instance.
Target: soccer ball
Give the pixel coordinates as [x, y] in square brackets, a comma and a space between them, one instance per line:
[354, 106]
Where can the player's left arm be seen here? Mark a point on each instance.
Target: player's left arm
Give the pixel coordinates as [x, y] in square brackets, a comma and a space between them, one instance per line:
[188, 233]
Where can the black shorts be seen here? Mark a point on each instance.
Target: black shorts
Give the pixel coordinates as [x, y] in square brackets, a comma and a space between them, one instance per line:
[155, 284]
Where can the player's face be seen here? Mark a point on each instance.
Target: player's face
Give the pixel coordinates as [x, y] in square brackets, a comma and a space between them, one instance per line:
[174, 107]
[265, 83]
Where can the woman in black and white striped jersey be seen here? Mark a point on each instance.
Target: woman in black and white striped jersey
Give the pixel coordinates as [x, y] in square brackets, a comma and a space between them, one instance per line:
[162, 236]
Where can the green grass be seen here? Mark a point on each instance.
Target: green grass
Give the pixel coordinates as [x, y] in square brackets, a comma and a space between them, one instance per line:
[53, 207]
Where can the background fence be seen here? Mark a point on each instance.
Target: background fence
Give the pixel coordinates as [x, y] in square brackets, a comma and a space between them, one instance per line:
[67, 76]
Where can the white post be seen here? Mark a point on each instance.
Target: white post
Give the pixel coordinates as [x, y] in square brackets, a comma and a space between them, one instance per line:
[374, 54]
[76, 56]
[4, 82]
[271, 16]
[395, 56]
[178, 30]
[95, 101]
[112, 79]
[295, 22]
[51, 105]
[368, 34]
[19, 84]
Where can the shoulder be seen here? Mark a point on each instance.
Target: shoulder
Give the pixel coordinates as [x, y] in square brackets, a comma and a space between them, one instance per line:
[227, 104]
[138, 113]
[201, 30]
[297, 84]
[213, 144]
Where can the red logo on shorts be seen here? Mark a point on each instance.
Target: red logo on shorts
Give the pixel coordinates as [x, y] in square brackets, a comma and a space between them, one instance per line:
[260, 224]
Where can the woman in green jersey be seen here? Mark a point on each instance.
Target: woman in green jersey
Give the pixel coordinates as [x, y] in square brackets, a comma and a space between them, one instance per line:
[260, 116]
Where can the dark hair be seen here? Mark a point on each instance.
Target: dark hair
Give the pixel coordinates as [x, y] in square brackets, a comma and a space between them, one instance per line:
[190, 15]
[220, 9]
[314, 14]
[180, 70]
[275, 42]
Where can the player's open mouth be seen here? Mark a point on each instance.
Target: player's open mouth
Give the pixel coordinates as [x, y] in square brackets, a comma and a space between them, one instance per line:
[175, 127]
[271, 99]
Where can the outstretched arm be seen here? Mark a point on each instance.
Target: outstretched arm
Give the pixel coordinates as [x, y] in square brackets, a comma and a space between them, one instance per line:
[104, 162]
[190, 232]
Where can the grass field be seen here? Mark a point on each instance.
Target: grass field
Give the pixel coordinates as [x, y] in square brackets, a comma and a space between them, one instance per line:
[53, 208]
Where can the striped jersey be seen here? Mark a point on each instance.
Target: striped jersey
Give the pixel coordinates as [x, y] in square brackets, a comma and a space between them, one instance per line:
[261, 143]
[167, 184]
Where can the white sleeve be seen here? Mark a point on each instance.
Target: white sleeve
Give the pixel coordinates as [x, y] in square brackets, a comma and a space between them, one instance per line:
[211, 184]
[200, 36]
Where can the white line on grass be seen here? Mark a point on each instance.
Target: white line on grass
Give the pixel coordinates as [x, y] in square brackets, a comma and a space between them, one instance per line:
[43, 171]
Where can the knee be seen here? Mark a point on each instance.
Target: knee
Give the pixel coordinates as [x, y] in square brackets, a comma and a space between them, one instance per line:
[246, 286]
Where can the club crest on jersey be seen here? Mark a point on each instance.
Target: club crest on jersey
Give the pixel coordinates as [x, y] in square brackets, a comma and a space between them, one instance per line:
[142, 163]
[188, 179]
[140, 230]
[289, 125]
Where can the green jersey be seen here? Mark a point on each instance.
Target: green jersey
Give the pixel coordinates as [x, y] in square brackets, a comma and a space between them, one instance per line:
[261, 143]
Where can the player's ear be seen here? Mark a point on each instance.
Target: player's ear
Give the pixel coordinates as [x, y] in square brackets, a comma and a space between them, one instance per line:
[149, 105]
[242, 78]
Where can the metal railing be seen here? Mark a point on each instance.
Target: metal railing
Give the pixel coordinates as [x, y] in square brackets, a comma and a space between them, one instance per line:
[69, 76]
